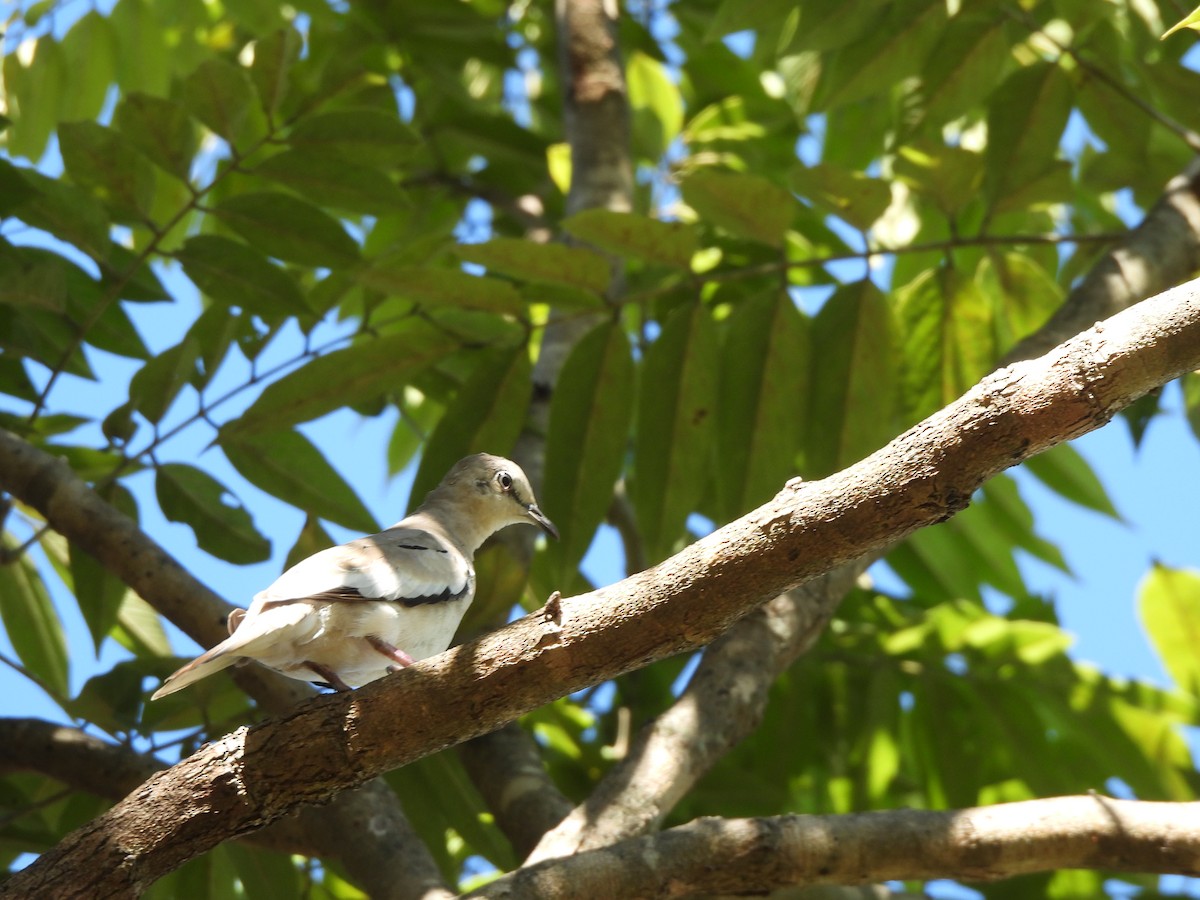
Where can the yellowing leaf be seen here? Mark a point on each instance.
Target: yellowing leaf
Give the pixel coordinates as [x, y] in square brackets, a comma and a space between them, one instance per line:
[1191, 20]
[655, 104]
[1169, 609]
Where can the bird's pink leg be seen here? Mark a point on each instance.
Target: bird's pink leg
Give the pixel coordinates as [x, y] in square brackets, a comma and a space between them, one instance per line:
[398, 656]
[329, 676]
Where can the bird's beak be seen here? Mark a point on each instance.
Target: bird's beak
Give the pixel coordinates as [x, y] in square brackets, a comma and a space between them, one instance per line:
[539, 518]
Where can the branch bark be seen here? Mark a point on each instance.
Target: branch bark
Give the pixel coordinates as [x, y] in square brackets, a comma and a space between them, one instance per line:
[253, 776]
[755, 856]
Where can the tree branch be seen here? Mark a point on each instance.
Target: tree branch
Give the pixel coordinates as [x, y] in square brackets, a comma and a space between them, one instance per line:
[253, 776]
[746, 856]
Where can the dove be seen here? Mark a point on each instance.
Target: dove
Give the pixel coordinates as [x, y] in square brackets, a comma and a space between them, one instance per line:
[355, 612]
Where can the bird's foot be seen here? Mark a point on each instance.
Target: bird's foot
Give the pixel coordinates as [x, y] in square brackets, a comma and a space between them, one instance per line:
[234, 619]
[398, 656]
[330, 676]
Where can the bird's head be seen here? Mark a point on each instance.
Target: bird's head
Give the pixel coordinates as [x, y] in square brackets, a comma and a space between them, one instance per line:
[494, 492]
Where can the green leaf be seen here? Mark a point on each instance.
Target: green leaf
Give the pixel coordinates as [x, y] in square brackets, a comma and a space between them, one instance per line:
[654, 103]
[342, 378]
[1191, 400]
[33, 95]
[1008, 513]
[970, 57]
[854, 376]
[99, 594]
[947, 328]
[561, 297]
[274, 57]
[215, 330]
[90, 54]
[443, 287]
[112, 331]
[155, 386]
[288, 228]
[220, 95]
[628, 234]
[762, 401]
[161, 129]
[144, 60]
[765, 16]
[1169, 610]
[264, 873]
[853, 196]
[1068, 474]
[573, 267]
[31, 622]
[677, 400]
[67, 212]
[949, 176]
[339, 183]
[112, 700]
[139, 628]
[1023, 295]
[221, 525]
[313, 538]
[1026, 117]
[289, 466]
[486, 415]
[14, 189]
[131, 277]
[894, 48]
[106, 163]
[587, 438]
[366, 136]
[33, 278]
[236, 275]
[746, 205]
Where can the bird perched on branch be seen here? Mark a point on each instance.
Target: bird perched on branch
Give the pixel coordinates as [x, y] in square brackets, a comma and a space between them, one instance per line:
[353, 613]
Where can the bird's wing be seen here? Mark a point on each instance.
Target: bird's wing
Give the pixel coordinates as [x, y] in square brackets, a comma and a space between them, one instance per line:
[405, 565]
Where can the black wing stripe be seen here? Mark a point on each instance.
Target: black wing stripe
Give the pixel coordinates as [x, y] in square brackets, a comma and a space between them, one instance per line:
[351, 595]
[419, 547]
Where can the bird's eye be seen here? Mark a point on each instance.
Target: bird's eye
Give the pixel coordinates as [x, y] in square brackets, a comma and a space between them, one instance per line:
[504, 480]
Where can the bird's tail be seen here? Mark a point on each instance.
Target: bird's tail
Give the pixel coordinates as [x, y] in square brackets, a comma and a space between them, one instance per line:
[202, 666]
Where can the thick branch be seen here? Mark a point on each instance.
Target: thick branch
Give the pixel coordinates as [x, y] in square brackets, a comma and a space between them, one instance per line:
[753, 856]
[251, 777]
